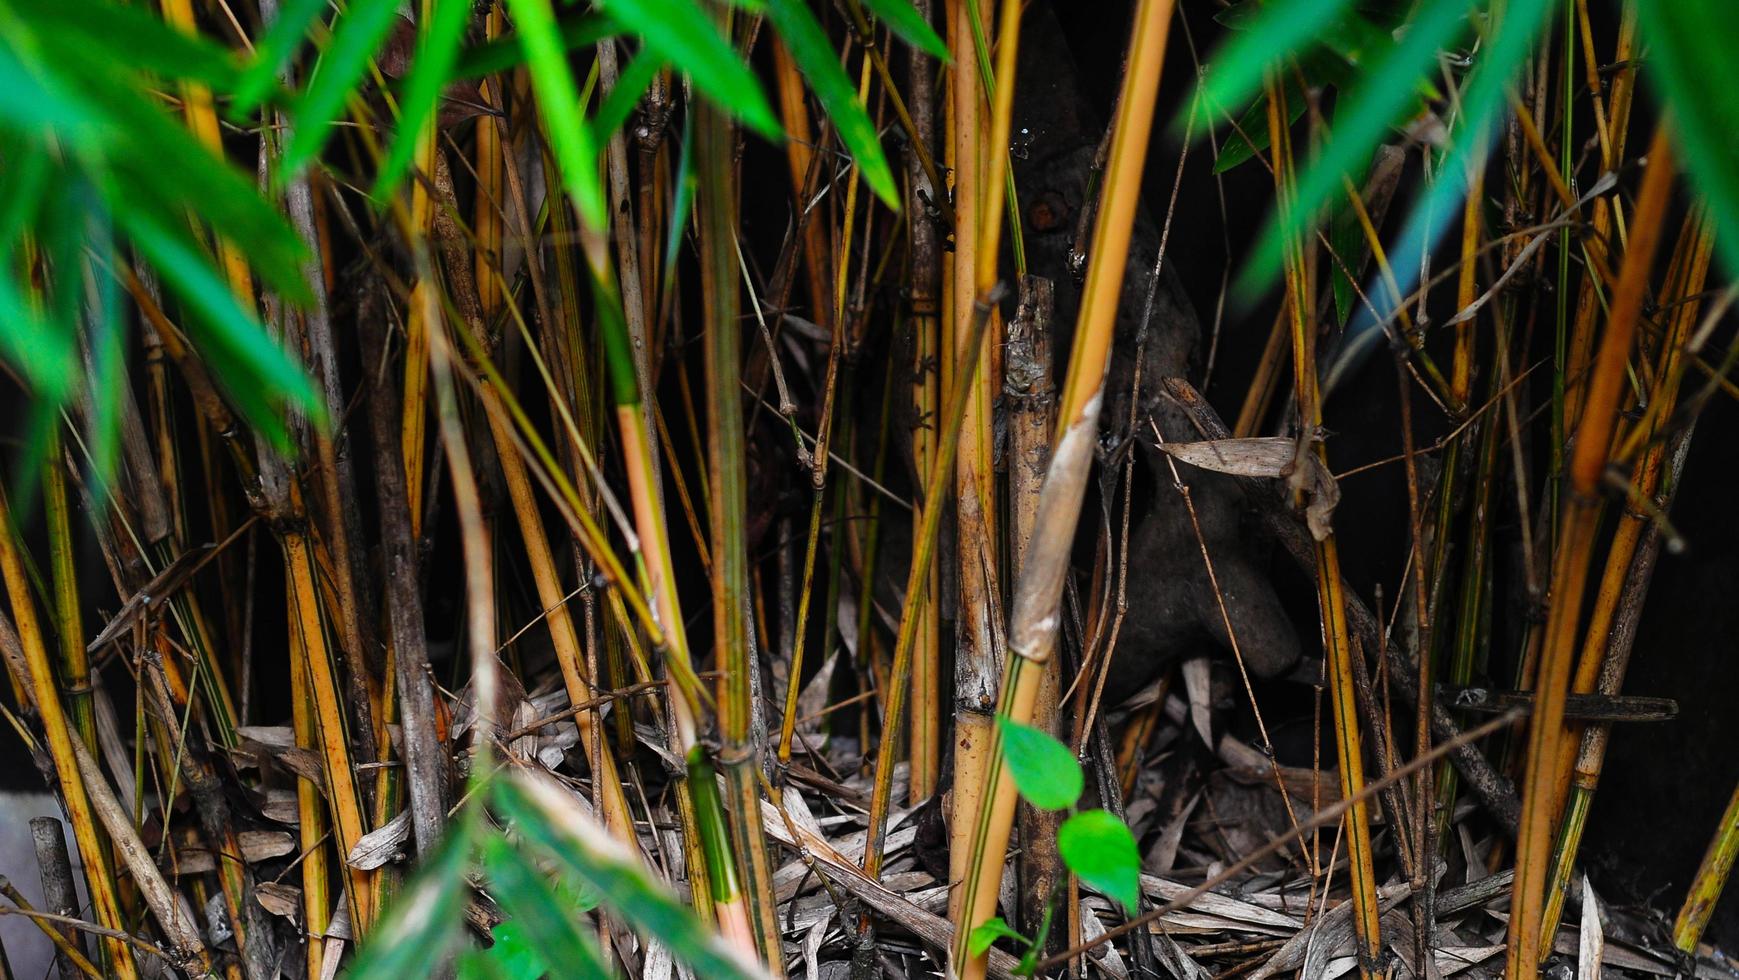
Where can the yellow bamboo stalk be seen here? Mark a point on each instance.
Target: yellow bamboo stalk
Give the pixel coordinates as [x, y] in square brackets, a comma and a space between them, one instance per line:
[1331, 601]
[1570, 564]
[346, 803]
[1033, 626]
[44, 693]
[310, 815]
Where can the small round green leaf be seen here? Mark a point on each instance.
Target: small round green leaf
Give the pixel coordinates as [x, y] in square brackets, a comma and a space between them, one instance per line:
[1101, 851]
[1044, 769]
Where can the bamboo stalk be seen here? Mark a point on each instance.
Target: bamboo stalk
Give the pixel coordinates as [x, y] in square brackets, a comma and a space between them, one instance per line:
[1035, 618]
[1571, 563]
[727, 473]
[100, 882]
[1331, 600]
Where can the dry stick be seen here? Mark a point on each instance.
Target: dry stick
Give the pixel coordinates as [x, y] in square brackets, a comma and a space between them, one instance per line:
[67, 955]
[1033, 626]
[1570, 566]
[58, 891]
[1323, 818]
[165, 904]
[425, 764]
[1331, 597]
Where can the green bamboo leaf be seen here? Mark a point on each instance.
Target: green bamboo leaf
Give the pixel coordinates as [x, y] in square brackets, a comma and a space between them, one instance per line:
[149, 160]
[41, 350]
[424, 920]
[134, 37]
[1482, 100]
[581, 31]
[571, 142]
[1044, 769]
[482, 964]
[549, 928]
[1388, 87]
[1690, 63]
[685, 35]
[272, 52]
[904, 20]
[34, 101]
[514, 956]
[1250, 136]
[1101, 851]
[257, 373]
[1235, 73]
[355, 40]
[429, 74]
[620, 103]
[819, 63]
[542, 813]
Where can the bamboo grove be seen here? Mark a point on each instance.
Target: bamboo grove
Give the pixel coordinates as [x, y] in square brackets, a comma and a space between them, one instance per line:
[530, 489]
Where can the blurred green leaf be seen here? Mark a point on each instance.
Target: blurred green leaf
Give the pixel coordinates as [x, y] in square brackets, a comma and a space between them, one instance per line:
[1690, 60]
[570, 141]
[549, 928]
[430, 73]
[684, 34]
[355, 39]
[1235, 72]
[514, 954]
[40, 349]
[1101, 851]
[135, 37]
[1044, 769]
[620, 103]
[274, 49]
[540, 813]
[424, 919]
[576, 31]
[819, 63]
[257, 373]
[1388, 86]
[904, 20]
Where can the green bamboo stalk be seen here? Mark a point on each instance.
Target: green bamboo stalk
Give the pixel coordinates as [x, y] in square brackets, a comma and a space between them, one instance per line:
[728, 474]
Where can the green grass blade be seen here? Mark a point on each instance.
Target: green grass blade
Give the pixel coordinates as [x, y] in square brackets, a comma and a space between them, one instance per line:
[258, 374]
[905, 21]
[1691, 62]
[620, 103]
[819, 63]
[575, 153]
[685, 35]
[424, 919]
[1235, 73]
[354, 42]
[1482, 102]
[436, 56]
[548, 927]
[581, 31]
[136, 38]
[1388, 88]
[543, 815]
[272, 52]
